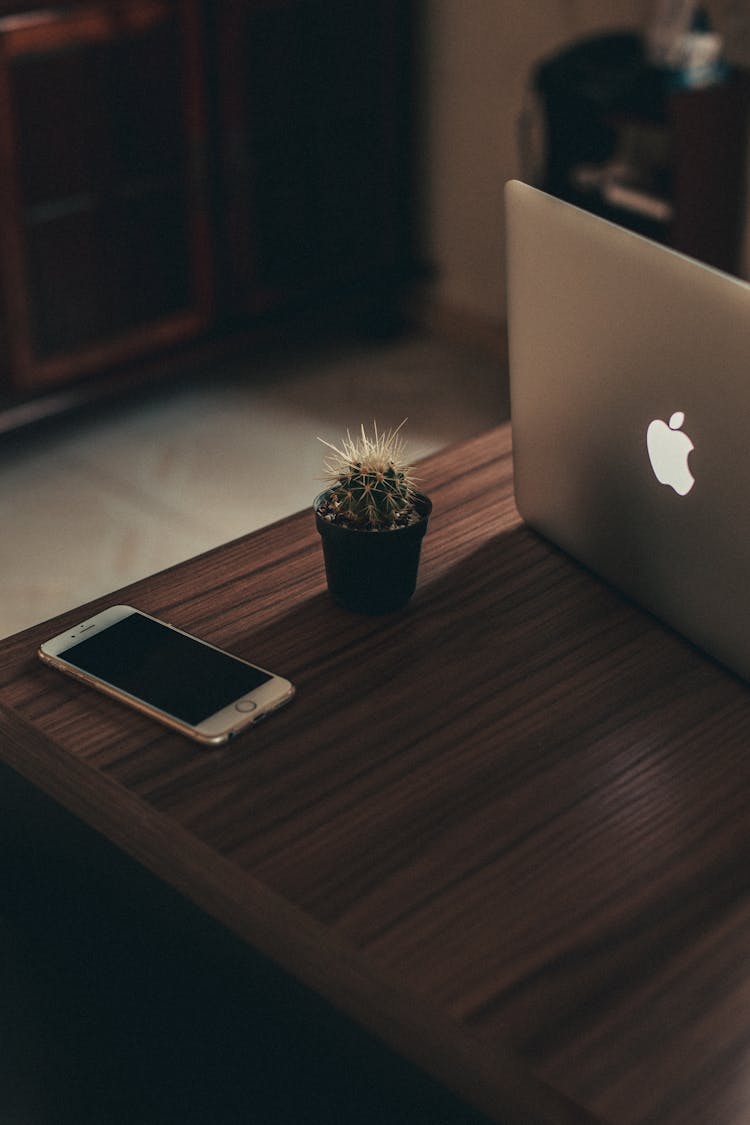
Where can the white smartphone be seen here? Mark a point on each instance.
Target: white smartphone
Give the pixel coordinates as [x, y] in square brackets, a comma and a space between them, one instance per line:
[186, 683]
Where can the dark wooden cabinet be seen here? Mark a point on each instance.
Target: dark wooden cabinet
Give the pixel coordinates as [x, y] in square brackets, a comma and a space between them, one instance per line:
[105, 250]
[169, 168]
[313, 128]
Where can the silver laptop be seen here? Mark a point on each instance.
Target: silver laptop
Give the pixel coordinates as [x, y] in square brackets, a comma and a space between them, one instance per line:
[630, 405]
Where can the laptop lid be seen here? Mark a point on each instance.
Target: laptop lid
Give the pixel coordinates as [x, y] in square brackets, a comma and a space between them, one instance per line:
[630, 406]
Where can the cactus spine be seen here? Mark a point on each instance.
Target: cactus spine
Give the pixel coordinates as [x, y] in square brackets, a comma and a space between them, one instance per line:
[370, 483]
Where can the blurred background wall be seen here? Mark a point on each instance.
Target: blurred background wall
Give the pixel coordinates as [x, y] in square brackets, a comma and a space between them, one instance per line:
[478, 56]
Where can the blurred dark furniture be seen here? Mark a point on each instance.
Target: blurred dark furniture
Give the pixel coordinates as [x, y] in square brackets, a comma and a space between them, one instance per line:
[686, 147]
[173, 170]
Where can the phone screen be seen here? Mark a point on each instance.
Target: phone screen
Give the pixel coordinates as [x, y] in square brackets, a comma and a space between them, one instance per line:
[165, 668]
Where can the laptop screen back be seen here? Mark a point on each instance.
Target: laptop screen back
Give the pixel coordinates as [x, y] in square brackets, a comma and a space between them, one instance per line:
[630, 405]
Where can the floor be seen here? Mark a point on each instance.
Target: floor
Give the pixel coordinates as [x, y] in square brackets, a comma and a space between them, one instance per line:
[93, 502]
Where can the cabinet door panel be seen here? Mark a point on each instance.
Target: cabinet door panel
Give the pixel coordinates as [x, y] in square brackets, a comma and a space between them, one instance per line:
[70, 307]
[109, 241]
[153, 270]
[61, 127]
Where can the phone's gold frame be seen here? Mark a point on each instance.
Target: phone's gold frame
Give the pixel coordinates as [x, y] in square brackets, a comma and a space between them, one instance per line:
[216, 729]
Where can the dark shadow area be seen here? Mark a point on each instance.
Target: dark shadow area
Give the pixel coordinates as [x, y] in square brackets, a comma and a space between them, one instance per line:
[123, 1003]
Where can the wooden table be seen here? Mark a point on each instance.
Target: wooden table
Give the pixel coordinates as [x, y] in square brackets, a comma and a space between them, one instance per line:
[506, 830]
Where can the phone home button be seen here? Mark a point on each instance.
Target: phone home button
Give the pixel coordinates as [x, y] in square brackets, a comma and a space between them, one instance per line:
[245, 705]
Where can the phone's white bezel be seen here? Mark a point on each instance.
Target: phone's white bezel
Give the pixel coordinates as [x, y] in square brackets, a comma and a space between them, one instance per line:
[215, 729]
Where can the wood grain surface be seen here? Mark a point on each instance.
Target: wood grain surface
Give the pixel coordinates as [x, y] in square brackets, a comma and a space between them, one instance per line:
[506, 829]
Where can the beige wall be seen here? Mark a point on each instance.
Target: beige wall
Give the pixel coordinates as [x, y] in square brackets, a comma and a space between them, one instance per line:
[477, 58]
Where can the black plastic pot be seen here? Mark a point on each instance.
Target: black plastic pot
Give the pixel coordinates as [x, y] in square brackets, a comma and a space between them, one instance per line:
[372, 571]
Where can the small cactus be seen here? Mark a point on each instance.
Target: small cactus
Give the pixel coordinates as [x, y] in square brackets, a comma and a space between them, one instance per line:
[370, 484]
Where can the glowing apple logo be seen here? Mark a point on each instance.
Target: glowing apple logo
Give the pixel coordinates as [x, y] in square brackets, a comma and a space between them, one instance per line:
[668, 451]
